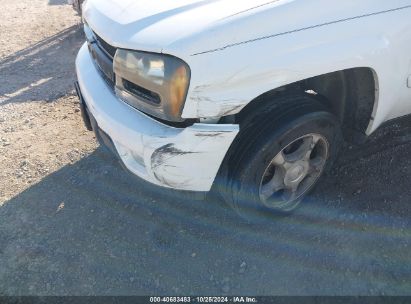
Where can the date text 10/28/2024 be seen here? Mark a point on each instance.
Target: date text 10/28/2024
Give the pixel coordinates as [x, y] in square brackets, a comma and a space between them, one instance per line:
[203, 300]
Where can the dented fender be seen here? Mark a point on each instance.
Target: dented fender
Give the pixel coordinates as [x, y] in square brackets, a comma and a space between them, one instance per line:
[339, 36]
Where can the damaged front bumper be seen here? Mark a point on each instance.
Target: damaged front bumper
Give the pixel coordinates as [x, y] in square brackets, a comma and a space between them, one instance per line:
[183, 159]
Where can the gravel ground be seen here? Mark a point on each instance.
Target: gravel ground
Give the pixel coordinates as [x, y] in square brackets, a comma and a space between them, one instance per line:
[72, 222]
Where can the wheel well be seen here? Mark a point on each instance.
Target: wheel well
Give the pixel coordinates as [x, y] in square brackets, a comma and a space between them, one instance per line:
[349, 94]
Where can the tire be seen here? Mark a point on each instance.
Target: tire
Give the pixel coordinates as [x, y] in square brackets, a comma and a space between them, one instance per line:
[273, 138]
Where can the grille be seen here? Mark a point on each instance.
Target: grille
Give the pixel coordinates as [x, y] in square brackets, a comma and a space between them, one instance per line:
[107, 48]
[103, 63]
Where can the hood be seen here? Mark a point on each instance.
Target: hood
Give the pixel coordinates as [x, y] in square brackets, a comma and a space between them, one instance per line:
[152, 25]
[188, 27]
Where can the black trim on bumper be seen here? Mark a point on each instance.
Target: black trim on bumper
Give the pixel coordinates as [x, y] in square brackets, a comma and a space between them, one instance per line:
[91, 124]
[83, 108]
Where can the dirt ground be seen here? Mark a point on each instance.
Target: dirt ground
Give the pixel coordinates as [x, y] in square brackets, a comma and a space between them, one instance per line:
[72, 222]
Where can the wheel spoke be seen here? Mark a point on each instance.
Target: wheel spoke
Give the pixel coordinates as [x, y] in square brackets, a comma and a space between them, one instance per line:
[316, 165]
[290, 194]
[304, 150]
[274, 185]
[279, 160]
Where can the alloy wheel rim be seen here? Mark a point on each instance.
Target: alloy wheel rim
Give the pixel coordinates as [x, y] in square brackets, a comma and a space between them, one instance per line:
[293, 172]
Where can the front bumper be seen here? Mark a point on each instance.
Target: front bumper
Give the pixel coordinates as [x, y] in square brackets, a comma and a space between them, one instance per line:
[183, 159]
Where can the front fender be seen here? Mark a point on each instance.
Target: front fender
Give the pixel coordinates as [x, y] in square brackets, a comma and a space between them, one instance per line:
[225, 81]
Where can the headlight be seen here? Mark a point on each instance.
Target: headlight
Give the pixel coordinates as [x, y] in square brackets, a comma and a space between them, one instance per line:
[154, 83]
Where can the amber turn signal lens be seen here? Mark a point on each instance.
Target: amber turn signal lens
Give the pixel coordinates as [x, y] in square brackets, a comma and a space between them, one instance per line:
[178, 89]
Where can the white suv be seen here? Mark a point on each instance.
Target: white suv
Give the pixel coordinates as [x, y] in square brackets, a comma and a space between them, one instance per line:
[252, 98]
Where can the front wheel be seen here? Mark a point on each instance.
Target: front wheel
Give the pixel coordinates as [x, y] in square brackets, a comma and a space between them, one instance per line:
[280, 155]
